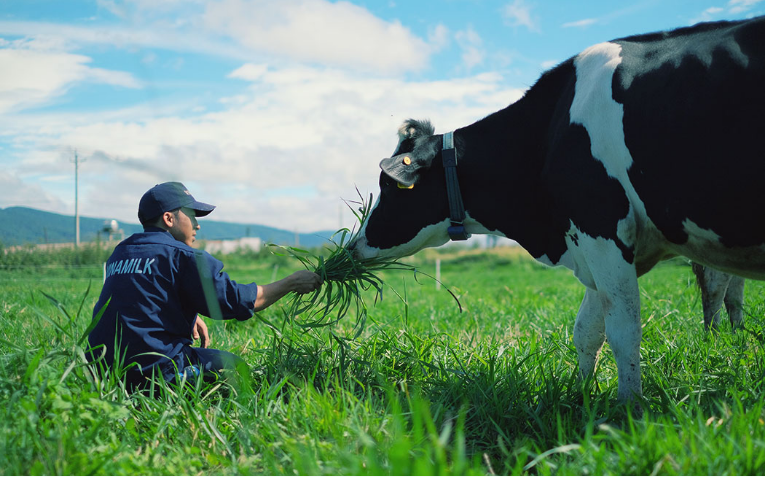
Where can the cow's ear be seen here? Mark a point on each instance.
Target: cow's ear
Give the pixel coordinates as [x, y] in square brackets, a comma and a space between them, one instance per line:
[405, 168]
[401, 168]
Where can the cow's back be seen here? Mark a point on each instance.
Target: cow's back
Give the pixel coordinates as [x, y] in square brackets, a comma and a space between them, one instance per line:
[677, 118]
[694, 115]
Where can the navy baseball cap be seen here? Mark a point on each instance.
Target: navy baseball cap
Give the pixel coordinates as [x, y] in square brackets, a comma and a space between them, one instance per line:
[169, 196]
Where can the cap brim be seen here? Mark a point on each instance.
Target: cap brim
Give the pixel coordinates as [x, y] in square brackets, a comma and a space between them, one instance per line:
[201, 208]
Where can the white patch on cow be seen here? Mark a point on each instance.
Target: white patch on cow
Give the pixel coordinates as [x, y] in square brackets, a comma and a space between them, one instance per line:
[546, 260]
[431, 236]
[705, 243]
[586, 260]
[594, 108]
[696, 233]
[704, 246]
[626, 229]
[574, 258]
[477, 228]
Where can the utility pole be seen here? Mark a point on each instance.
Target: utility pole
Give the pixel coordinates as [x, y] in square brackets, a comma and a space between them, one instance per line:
[76, 201]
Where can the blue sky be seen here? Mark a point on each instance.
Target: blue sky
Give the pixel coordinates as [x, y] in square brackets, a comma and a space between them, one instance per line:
[275, 111]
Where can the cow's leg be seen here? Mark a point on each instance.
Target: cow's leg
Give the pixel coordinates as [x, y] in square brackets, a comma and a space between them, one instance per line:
[713, 284]
[624, 332]
[621, 303]
[589, 333]
[617, 285]
[734, 302]
[712, 298]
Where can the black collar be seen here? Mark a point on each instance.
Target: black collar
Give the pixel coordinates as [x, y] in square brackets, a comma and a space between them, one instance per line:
[456, 230]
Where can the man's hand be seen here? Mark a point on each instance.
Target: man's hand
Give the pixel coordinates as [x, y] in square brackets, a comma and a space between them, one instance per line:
[200, 333]
[301, 282]
[304, 281]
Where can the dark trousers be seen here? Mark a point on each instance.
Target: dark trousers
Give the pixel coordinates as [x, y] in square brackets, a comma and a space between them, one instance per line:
[191, 362]
[205, 361]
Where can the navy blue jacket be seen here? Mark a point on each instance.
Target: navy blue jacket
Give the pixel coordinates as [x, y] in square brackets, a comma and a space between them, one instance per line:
[157, 285]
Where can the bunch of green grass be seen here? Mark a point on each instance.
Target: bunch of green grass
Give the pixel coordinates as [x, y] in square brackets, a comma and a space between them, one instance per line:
[346, 278]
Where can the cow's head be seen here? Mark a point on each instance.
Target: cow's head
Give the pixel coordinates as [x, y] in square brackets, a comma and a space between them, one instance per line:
[412, 210]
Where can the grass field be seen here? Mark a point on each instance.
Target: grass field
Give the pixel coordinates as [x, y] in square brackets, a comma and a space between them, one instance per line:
[424, 389]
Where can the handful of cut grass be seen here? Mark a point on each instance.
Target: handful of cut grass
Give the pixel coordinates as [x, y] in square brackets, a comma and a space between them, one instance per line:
[345, 277]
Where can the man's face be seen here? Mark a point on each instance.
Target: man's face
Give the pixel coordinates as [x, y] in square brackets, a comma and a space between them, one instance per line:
[185, 226]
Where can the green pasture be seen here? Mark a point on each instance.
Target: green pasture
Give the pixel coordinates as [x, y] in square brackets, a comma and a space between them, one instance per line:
[424, 389]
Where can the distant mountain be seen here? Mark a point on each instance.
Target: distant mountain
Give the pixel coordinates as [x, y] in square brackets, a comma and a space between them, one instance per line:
[23, 225]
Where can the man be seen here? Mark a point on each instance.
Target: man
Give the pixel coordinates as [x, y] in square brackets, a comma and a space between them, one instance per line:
[155, 285]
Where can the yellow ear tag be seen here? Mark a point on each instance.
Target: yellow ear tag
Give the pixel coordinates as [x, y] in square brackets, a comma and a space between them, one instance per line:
[406, 162]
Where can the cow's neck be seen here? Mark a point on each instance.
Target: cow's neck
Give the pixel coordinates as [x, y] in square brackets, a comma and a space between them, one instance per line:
[500, 164]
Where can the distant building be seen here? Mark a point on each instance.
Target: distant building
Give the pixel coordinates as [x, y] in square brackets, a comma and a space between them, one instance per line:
[230, 246]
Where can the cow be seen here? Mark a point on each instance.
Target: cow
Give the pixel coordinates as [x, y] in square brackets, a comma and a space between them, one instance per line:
[631, 152]
[718, 288]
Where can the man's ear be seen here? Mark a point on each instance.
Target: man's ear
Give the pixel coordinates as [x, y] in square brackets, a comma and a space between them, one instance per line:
[167, 219]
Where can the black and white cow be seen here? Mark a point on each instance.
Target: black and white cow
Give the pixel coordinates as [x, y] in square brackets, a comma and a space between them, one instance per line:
[604, 166]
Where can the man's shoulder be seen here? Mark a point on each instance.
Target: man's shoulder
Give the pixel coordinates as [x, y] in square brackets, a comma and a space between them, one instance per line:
[160, 239]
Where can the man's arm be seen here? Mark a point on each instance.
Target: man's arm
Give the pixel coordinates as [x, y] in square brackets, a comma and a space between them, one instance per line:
[301, 281]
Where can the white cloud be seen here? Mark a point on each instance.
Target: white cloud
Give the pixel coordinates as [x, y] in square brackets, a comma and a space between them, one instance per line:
[319, 31]
[740, 6]
[249, 72]
[471, 44]
[14, 191]
[518, 13]
[546, 65]
[149, 59]
[707, 15]
[32, 77]
[733, 7]
[112, 7]
[581, 23]
[142, 35]
[314, 31]
[438, 38]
